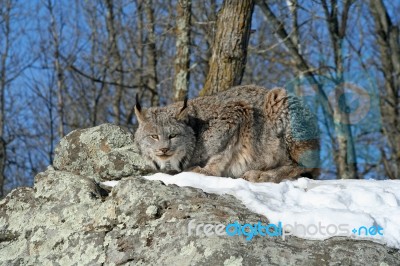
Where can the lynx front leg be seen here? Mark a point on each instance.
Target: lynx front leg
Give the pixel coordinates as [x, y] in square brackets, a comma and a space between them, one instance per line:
[257, 176]
[278, 174]
[214, 167]
[226, 137]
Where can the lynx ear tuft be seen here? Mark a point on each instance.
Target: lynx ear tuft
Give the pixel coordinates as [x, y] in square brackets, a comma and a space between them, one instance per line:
[138, 110]
[183, 114]
[275, 100]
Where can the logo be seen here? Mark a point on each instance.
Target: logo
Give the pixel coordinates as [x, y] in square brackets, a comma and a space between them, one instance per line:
[349, 102]
[251, 230]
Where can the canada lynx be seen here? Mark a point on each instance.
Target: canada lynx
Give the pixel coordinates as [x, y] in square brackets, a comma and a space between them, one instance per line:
[248, 131]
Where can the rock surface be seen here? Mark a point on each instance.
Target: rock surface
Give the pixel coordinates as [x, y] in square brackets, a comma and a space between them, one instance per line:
[105, 152]
[68, 219]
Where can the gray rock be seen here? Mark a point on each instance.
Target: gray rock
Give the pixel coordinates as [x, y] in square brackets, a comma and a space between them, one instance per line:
[105, 152]
[67, 219]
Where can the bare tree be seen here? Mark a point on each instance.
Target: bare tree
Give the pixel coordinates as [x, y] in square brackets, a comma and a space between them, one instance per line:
[13, 62]
[337, 24]
[229, 51]
[116, 66]
[5, 20]
[182, 59]
[97, 88]
[345, 157]
[58, 68]
[388, 39]
[151, 53]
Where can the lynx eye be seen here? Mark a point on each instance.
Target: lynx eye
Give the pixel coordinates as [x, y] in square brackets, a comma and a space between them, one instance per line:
[172, 136]
[154, 137]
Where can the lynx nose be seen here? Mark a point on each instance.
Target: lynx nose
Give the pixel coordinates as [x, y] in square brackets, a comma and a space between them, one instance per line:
[164, 150]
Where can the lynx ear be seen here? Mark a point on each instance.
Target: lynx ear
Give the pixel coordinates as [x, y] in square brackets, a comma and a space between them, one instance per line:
[138, 110]
[183, 114]
[275, 102]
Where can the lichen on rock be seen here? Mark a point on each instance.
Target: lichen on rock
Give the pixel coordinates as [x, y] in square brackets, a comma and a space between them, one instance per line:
[68, 219]
[105, 152]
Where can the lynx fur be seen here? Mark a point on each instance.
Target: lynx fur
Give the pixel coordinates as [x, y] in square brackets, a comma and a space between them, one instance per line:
[247, 131]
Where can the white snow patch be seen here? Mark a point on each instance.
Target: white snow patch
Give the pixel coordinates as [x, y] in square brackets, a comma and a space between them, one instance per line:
[110, 183]
[350, 203]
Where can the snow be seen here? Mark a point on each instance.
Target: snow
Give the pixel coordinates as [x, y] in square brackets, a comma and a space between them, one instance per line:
[112, 183]
[313, 209]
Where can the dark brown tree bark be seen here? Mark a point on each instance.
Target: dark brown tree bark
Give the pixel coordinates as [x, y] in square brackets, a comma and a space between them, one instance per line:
[182, 58]
[229, 50]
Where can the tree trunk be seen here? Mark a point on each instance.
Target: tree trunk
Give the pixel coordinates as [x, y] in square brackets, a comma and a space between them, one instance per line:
[345, 158]
[182, 58]
[229, 54]
[345, 155]
[388, 38]
[151, 54]
[140, 51]
[3, 83]
[116, 66]
[58, 70]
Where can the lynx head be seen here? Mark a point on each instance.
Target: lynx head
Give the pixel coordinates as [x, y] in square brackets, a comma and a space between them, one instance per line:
[164, 137]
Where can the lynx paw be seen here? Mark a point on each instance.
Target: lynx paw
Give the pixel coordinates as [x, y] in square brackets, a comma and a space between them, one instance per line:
[200, 170]
[256, 176]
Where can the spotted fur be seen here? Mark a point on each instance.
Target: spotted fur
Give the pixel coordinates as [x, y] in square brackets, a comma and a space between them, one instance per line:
[247, 131]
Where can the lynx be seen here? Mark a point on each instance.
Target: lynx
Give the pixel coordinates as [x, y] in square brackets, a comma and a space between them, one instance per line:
[245, 132]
